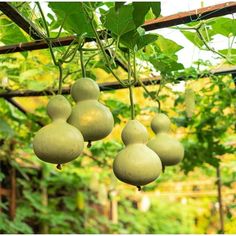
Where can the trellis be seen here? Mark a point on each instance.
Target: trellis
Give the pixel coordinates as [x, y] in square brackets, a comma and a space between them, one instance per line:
[39, 43]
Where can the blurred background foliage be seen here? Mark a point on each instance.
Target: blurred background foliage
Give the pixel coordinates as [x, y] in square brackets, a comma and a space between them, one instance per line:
[85, 197]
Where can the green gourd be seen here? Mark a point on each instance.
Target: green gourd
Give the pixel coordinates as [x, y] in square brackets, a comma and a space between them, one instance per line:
[169, 150]
[136, 164]
[58, 142]
[189, 102]
[93, 119]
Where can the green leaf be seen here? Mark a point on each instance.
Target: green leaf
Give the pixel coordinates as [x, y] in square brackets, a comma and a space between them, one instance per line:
[165, 64]
[76, 20]
[230, 54]
[145, 40]
[5, 128]
[37, 85]
[193, 37]
[121, 21]
[137, 39]
[140, 11]
[156, 8]
[118, 5]
[224, 26]
[167, 46]
[10, 33]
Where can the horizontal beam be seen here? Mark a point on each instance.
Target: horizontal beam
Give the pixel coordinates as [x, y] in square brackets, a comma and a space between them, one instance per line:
[190, 16]
[161, 22]
[108, 86]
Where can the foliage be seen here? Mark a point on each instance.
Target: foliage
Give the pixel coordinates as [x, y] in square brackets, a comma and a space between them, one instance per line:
[73, 206]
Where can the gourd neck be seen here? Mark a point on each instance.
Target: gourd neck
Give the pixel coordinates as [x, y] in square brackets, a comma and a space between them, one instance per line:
[59, 120]
[87, 99]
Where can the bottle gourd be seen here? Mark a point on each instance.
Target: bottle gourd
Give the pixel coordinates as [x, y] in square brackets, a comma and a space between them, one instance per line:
[166, 147]
[189, 102]
[136, 164]
[58, 142]
[93, 119]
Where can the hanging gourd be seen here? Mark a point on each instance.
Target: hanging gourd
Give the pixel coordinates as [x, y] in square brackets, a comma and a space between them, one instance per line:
[58, 142]
[166, 147]
[93, 119]
[136, 164]
[189, 99]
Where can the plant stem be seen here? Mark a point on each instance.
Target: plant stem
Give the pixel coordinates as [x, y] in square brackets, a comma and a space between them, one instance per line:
[56, 63]
[208, 47]
[44, 19]
[132, 108]
[82, 64]
[150, 95]
[102, 48]
[60, 78]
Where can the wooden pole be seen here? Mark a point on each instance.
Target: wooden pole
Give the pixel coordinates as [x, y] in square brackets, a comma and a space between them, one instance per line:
[113, 211]
[107, 86]
[12, 208]
[44, 198]
[220, 200]
[160, 22]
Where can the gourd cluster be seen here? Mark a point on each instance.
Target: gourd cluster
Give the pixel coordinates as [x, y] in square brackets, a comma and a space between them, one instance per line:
[142, 161]
[139, 163]
[63, 140]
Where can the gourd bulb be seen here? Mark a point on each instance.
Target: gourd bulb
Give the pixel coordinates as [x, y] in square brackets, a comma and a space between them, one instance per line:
[58, 108]
[58, 142]
[160, 123]
[85, 89]
[134, 132]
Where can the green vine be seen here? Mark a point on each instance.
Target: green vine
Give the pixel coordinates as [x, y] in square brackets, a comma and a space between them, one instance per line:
[82, 64]
[132, 108]
[91, 18]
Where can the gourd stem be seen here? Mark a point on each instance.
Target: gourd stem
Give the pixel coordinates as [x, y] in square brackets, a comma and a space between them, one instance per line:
[60, 78]
[163, 168]
[82, 63]
[89, 144]
[135, 71]
[59, 166]
[130, 89]
[152, 97]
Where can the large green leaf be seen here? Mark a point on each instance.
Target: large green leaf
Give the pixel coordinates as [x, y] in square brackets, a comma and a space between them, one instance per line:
[10, 33]
[167, 46]
[140, 11]
[156, 8]
[193, 37]
[120, 21]
[142, 8]
[118, 5]
[76, 20]
[230, 54]
[224, 26]
[137, 39]
[165, 64]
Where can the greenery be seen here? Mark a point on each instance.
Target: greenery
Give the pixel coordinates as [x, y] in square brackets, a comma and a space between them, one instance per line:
[76, 199]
